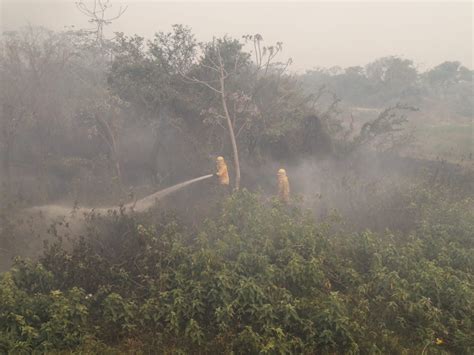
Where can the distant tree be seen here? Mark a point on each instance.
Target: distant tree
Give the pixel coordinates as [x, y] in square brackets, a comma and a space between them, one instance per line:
[450, 83]
[392, 76]
[384, 81]
[97, 14]
[445, 75]
[35, 62]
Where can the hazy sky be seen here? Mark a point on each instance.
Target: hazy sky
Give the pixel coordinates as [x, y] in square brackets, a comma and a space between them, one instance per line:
[314, 33]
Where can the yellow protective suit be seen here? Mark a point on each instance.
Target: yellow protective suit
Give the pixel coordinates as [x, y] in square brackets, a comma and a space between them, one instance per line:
[222, 172]
[283, 186]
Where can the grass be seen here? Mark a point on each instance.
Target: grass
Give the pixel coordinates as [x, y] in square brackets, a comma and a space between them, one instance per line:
[453, 142]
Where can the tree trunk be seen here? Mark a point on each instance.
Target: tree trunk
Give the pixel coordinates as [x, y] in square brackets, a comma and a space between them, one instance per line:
[114, 154]
[6, 168]
[111, 141]
[41, 162]
[7, 142]
[231, 131]
[118, 170]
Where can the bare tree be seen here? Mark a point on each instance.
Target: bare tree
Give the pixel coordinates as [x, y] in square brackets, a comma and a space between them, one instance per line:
[97, 14]
[265, 55]
[219, 86]
[240, 108]
[104, 120]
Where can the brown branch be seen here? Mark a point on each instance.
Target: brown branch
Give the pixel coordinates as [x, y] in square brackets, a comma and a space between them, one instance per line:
[209, 67]
[197, 81]
[240, 130]
[206, 84]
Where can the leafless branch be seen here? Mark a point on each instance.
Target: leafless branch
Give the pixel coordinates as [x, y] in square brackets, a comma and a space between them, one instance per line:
[209, 67]
[206, 84]
[240, 130]
[97, 15]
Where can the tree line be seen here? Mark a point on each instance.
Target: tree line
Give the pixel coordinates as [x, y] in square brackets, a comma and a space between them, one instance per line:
[86, 117]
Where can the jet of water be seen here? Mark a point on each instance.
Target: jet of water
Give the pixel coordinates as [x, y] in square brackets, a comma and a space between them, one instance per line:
[55, 211]
[146, 202]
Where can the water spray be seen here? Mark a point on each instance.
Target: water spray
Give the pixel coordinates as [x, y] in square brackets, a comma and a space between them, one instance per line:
[146, 202]
[138, 206]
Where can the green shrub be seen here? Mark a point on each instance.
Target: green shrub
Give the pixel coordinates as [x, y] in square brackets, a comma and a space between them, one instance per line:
[259, 278]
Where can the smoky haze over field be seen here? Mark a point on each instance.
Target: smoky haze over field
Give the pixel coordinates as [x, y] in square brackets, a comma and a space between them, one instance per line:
[98, 119]
[314, 33]
[171, 181]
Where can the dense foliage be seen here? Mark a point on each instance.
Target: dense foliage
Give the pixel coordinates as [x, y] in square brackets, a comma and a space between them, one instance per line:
[148, 126]
[258, 278]
[101, 122]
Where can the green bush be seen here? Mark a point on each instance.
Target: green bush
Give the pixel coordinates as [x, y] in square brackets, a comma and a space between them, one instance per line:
[259, 278]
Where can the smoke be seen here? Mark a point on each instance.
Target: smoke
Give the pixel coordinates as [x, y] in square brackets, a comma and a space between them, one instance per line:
[362, 189]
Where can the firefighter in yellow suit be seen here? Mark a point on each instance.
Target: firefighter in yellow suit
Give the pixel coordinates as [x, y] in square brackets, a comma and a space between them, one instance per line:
[222, 173]
[283, 186]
